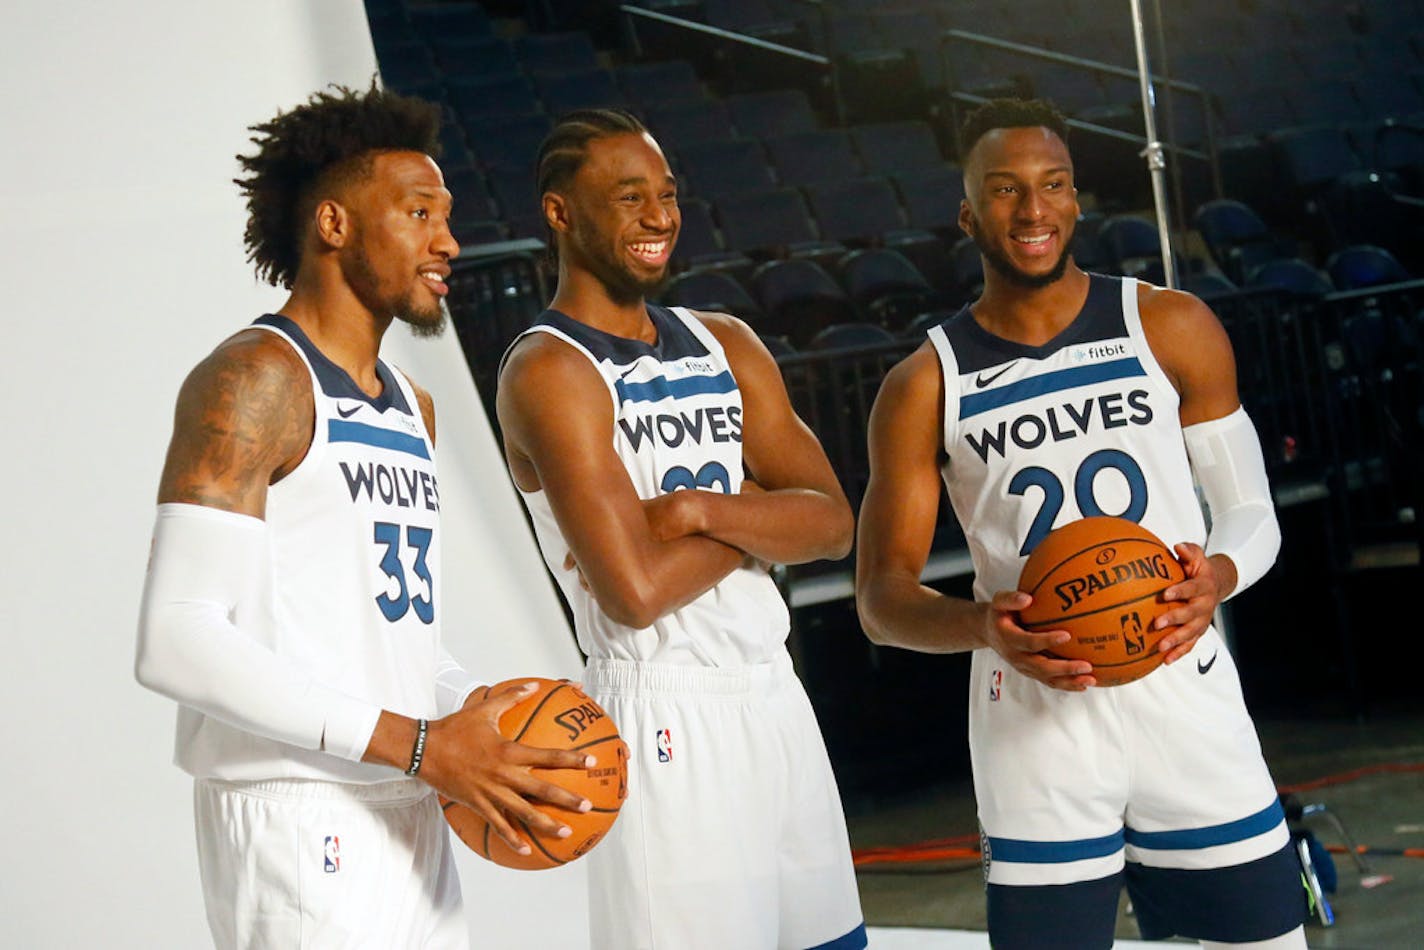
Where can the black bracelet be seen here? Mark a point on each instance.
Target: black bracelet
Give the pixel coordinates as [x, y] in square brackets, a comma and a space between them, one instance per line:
[417, 755]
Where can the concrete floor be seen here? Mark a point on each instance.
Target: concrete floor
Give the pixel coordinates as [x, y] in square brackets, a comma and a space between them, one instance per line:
[1382, 810]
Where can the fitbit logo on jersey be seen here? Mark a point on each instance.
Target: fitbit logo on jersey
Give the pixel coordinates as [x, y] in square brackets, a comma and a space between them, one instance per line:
[402, 487]
[1063, 422]
[1070, 592]
[720, 423]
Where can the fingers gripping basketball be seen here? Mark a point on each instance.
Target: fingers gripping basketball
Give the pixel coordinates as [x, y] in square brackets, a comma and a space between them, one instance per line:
[1101, 579]
[558, 715]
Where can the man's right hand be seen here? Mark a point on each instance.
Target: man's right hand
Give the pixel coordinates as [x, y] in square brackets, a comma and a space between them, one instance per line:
[468, 760]
[1024, 650]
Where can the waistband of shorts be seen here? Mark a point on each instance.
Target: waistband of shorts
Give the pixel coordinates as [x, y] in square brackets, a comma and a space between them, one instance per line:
[395, 792]
[631, 677]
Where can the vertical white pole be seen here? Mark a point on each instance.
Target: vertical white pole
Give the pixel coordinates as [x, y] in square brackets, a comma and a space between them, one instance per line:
[1156, 162]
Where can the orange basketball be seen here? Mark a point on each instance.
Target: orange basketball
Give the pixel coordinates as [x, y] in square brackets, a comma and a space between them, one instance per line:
[558, 715]
[1101, 580]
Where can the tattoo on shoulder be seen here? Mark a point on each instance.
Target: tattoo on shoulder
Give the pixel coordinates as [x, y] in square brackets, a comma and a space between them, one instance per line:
[242, 422]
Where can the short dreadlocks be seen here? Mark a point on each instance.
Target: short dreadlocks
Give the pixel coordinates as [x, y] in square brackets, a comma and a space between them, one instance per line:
[318, 147]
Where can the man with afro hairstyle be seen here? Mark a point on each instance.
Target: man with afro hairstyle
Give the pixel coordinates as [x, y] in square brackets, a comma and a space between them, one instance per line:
[293, 599]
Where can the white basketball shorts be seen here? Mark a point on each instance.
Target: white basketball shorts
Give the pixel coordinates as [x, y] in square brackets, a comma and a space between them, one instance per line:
[732, 835]
[1165, 772]
[288, 864]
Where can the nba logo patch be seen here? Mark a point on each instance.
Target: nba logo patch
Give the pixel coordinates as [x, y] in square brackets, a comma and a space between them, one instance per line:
[664, 745]
[996, 686]
[331, 854]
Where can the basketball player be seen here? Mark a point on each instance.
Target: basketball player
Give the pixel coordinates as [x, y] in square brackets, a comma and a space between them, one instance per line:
[627, 428]
[1056, 395]
[292, 604]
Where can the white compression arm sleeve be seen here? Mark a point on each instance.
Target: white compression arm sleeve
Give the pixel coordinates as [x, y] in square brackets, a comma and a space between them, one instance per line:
[205, 565]
[1226, 458]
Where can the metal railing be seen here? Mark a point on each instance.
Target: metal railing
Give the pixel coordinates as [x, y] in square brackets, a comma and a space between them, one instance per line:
[1211, 156]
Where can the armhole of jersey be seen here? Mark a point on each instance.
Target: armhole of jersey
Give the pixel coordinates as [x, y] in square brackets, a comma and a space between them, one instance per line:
[555, 332]
[320, 417]
[704, 335]
[949, 373]
[1132, 319]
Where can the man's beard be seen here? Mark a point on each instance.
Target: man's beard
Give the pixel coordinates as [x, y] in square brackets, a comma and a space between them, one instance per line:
[1005, 268]
[624, 288]
[424, 321]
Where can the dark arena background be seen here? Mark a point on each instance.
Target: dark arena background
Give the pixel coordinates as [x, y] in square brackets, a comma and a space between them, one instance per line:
[814, 144]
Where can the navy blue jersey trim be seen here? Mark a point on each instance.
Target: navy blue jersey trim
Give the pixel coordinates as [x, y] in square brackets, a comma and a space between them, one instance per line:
[1020, 851]
[341, 430]
[675, 341]
[853, 940]
[1053, 382]
[1100, 318]
[335, 381]
[1227, 833]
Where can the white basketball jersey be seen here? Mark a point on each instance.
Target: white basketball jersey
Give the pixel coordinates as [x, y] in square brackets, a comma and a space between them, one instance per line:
[355, 558]
[1038, 436]
[677, 425]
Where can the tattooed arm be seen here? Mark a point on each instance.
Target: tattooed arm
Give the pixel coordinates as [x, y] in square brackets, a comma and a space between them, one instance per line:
[244, 420]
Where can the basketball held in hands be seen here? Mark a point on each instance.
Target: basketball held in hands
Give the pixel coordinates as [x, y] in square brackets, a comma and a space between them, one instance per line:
[1101, 579]
[557, 715]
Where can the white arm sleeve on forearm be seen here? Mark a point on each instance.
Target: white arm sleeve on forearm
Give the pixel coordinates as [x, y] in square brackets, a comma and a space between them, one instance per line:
[203, 564]
[452, 684]
[1226, 458]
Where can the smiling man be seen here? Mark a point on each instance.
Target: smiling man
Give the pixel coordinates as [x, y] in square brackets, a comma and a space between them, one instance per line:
[628, 429]
[1056, 395]
[293, 599]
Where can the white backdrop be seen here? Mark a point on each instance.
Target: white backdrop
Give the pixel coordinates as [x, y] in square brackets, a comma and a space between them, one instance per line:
[122, 264]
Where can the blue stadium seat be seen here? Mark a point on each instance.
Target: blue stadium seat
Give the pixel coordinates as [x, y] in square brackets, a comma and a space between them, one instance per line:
[850, 336]
[588, 89]
[800, 299]
[462, 20]
[1292, 274]
[1364, 265]
[1238, 239]
[718, 170]
[478, 99]
[807, 158]
[857, 209]
[660, 84]
[712, 290]
[889, 148]
[1207, 286]
[765, 114]
[1312, 157]
[931, 197]
[700, 245]
[544, 53]
[1129, 243]
[508, 141]
[765, 220]
[885, 286]
[679, 124]
[484, 57]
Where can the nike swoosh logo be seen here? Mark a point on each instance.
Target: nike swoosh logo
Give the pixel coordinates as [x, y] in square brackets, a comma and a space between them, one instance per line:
[1203, 667]
[980, 382]
[346, 413]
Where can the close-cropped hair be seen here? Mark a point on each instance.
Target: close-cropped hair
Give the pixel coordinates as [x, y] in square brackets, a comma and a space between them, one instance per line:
[307, 153]
[565, 148]
[1010, 114]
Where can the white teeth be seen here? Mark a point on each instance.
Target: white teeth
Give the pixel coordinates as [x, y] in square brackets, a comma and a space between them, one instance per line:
[650, 250]
[1034, 240]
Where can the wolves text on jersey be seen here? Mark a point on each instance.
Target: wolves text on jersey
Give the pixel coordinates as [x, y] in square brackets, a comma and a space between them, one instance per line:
[721, 424]
[393, 485]
[1062, 422]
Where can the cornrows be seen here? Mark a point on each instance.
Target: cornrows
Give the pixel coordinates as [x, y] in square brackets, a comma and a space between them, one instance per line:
[564, 149]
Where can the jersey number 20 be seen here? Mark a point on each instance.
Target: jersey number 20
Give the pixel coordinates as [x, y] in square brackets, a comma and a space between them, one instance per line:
[1053, 494]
